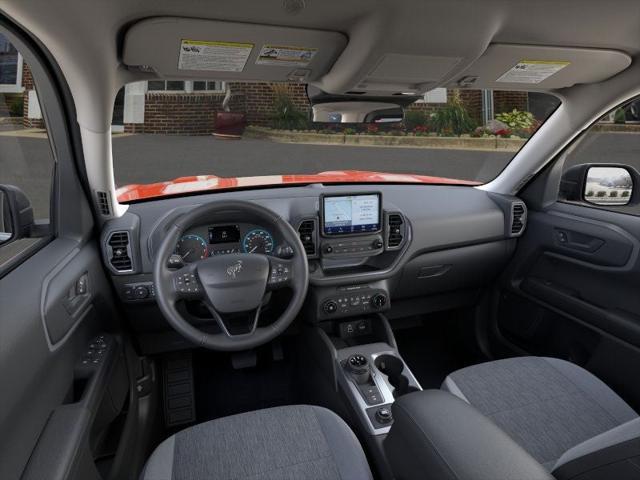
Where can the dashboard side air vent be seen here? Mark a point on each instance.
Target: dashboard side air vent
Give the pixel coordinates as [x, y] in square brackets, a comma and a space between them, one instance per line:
[119, 251]
[518, 218]
[103, 203]
[396, 229]
[307, 232]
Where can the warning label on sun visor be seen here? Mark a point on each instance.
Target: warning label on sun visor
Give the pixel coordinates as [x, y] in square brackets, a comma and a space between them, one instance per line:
[285, 56]
[214, 56]
[532, 71]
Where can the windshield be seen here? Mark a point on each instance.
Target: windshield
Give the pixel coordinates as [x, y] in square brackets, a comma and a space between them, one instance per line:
[176, 137]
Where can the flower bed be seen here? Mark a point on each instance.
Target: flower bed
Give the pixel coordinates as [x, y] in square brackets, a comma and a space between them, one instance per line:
[386, 139]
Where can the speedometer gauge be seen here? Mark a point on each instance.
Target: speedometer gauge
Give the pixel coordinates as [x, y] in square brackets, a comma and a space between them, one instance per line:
[191, 248]
[258, 241]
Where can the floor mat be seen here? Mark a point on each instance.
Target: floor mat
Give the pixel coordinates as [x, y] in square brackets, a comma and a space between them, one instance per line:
[221, 391]
[436, 348]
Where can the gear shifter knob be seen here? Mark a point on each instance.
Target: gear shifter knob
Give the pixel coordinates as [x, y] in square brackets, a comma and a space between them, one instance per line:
[358, 366]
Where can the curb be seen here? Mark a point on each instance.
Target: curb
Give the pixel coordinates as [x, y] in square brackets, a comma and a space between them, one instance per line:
[452, 143]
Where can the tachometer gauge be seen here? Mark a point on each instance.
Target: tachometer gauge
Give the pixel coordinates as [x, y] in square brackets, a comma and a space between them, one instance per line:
[191, 248]
[258, 241]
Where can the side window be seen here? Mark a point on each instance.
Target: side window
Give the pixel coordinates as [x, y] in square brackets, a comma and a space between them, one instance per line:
[26, 158]
[603, 169]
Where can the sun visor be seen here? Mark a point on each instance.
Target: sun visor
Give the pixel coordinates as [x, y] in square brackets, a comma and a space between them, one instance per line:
[528, 67]
[189, 48]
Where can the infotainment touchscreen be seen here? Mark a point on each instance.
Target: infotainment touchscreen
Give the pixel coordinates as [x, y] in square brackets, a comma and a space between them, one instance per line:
[351, 214]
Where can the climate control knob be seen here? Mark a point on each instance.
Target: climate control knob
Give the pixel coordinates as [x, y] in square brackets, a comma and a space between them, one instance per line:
[330, 307]
[379, 300]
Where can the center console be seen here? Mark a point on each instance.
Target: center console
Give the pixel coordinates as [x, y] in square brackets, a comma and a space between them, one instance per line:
[372, 376]
[357, 242]
[363, 363]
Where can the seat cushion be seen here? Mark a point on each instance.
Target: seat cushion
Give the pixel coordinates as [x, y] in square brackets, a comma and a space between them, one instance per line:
[546, 405]
[293, 442]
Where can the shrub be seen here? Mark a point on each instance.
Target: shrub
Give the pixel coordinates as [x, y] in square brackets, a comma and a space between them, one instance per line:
[349, 131]
[516, 119]
[613, 193]
[286, 115]
[625, 193]
[414, 119]
[601, 193]
[16, 106]
[481, 132]
[421, 130]
[373, 129]
[589, 193]
[453, 118]
[619, 116]
[504, 133]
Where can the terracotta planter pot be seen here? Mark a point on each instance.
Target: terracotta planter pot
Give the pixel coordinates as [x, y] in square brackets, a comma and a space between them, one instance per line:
[229, 124]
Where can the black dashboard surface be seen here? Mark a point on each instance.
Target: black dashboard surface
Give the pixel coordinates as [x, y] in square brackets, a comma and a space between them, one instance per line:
[441, 217]
[454, 240]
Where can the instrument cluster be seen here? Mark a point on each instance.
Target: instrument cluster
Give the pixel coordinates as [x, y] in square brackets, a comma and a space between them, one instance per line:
[211, 240]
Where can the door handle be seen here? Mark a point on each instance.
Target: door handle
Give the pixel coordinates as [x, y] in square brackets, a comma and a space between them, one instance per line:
[78, 296]
[577, 241]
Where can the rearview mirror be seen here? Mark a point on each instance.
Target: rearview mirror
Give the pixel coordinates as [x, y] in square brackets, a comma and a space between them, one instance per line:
[16, 214]
[356, 107]
[357, 112]
[608, 186]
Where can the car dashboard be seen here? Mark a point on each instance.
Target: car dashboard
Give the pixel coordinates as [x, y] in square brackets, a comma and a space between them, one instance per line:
[420, 249]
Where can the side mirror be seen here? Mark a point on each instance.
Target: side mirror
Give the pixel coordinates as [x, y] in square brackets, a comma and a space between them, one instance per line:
[603, 185]
[16, 214]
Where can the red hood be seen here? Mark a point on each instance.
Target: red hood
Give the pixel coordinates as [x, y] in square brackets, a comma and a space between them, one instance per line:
[201, 183]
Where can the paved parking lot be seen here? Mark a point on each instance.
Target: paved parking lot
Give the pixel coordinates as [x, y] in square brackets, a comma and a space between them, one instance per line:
[25, 161]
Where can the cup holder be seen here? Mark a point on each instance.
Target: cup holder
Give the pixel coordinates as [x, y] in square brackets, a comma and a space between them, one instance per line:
[393, 367]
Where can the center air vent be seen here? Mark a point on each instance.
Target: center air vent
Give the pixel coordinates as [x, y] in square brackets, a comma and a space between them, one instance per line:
[119, 252]
[396, 230]
[518, 218]
[307, 231]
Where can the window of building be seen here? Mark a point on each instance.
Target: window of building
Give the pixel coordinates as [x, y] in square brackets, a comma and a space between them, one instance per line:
[185, 86]
[209, 86]
[10, 67]
[437, 95]
[166, 85]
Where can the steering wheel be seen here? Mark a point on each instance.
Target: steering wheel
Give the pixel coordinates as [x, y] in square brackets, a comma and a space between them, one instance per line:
[232, 284]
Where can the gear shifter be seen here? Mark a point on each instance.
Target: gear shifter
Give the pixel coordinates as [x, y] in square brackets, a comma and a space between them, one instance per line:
[358, 366]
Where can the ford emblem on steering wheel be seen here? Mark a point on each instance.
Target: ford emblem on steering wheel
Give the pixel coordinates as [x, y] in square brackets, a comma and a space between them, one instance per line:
[234, 269]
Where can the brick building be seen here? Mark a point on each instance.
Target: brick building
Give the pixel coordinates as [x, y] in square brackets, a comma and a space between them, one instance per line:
[190, 107]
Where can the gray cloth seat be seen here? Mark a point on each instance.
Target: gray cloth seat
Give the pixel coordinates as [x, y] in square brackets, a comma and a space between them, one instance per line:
[555, 410]
[293, 442]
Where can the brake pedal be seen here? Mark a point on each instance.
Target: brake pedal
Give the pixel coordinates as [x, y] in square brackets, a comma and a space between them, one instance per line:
[242, 360]
[277, 353]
